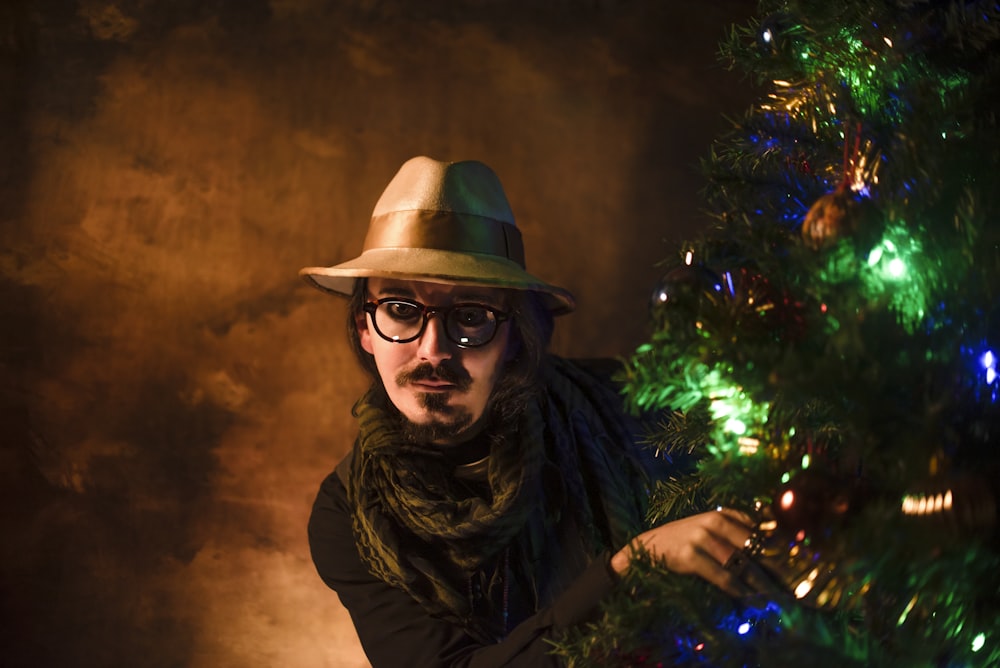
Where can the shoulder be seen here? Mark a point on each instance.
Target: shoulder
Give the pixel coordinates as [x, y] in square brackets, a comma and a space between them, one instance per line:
[331, 533]
[343, 469]
[331, 510]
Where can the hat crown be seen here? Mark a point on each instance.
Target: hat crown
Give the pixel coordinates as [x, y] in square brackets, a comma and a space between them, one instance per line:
[443, 222]
[467, 187]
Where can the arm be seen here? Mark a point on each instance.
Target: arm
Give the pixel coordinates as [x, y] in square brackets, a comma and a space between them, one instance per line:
[392, 625]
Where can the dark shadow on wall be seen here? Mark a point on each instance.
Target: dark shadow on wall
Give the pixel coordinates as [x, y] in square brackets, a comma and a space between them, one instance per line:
[75, 550]
[25, 494]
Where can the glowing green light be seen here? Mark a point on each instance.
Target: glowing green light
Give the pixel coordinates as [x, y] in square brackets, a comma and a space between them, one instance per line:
[978, 642]
[785, 477]
[722, 409]
[806, 460]
[733, 412]
[897, 268]
[736, 426]
[890, 274]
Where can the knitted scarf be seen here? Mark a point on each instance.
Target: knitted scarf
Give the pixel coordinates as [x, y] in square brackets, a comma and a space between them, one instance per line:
[416, 533]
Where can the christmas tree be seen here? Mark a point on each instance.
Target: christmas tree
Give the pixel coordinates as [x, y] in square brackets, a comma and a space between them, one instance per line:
[828, 353]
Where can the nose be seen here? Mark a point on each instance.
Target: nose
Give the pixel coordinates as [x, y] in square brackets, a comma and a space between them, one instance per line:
[434, 345]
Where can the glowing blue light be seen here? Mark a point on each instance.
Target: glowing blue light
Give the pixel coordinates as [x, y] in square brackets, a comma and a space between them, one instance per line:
[988, 361]
[729, 283]
[753, 619]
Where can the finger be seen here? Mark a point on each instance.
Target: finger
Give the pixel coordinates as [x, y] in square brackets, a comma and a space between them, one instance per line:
[737, 516]
[717, 545]
[723, 576]
[730, 532]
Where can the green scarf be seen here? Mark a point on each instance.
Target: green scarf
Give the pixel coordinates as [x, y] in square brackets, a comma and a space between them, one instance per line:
[416, 532]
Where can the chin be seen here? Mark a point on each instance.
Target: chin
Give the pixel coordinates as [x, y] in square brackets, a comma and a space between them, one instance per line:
[430, 426]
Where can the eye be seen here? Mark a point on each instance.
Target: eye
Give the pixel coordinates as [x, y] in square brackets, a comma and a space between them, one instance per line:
[402, 311]
[471, 316]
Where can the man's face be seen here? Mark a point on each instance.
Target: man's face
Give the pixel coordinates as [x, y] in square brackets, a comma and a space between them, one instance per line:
[441, 388]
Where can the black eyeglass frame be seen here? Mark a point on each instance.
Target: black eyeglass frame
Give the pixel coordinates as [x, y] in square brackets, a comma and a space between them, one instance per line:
[499, 317]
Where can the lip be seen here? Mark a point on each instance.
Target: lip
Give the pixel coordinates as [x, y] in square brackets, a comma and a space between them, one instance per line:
[433, 386]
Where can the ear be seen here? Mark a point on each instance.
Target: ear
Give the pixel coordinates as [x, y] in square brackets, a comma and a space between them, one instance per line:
[364, 333]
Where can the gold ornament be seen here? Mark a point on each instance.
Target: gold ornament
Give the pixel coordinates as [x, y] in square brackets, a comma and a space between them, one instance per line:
[834, 216]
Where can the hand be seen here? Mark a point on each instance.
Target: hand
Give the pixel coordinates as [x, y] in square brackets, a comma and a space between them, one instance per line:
[697, 545]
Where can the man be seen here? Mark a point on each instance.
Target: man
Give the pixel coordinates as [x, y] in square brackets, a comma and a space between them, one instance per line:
[494, 492]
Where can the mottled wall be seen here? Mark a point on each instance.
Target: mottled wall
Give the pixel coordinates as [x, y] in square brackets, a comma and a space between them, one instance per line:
[172, 393]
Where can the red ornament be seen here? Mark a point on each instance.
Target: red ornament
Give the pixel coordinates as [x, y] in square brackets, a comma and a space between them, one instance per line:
[770, 309]
[840, 213]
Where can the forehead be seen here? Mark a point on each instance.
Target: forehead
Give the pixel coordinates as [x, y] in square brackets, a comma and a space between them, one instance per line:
[434, 293]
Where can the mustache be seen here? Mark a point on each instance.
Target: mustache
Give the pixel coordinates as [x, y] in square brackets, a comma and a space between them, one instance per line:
[456, 375]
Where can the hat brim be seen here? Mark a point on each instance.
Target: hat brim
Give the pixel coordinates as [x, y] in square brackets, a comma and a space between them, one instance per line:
[438, 266]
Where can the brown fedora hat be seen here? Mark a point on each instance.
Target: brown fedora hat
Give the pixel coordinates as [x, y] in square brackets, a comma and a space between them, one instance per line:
[445, 222]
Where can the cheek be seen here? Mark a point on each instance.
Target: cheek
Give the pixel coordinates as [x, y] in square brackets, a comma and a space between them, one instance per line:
[388, 359]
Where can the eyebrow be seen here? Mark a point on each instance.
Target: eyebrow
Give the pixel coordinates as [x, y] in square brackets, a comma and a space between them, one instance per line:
[395, 292]
[460, 297]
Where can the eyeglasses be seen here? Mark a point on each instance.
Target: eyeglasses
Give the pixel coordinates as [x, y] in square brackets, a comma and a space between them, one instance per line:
[402, 321]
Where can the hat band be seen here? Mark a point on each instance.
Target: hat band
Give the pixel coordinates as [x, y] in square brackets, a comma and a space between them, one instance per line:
[447, 231]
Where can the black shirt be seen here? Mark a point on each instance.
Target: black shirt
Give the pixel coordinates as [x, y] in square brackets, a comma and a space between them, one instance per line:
[395, 629]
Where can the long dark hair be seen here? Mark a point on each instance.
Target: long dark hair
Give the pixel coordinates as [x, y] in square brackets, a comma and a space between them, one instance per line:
[533, 325]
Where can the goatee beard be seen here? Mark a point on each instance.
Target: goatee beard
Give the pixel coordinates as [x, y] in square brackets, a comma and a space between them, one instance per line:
[448, 422]
[436, 430]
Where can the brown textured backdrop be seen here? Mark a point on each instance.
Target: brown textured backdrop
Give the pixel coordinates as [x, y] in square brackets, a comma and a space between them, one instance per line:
[172, 393]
